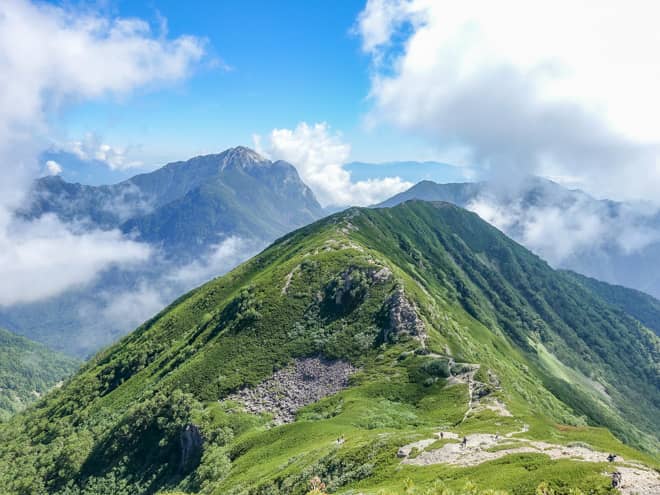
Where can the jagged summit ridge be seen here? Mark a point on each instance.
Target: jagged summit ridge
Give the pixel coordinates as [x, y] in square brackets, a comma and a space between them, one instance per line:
[236, 157]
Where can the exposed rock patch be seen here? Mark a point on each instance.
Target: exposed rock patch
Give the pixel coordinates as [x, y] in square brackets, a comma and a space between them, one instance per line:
[191, 445]
[380, 276]
[402, 318]
[306, 381]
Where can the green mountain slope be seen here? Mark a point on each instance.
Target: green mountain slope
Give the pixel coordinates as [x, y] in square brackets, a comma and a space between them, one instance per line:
[517, 207]
[636, 303]
[27, 371]
[359, 349]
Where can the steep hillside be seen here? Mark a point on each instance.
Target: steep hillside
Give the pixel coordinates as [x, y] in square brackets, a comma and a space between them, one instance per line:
[248, 196]
[360, 349]
[641, 306]
[27, 371]
[612, 241]
[185, 212]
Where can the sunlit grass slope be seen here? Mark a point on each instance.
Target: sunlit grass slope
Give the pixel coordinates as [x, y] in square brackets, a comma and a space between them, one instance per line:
[554, 363]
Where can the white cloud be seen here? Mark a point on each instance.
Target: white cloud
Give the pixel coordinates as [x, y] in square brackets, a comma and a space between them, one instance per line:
[562, 230]
[53, 168]
[220, 258]
[92, 148]
[129, 309]
[320, 155]
[44, 257]
[49, 57]
[559, 89]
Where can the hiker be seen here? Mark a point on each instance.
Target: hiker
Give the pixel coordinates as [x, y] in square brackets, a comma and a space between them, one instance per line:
[616, 479]
[611, 457]
[464, 442]
[442, 435]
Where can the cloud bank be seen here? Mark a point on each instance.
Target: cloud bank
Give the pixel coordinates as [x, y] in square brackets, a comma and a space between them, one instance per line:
[123, 309]
[563, 231]
[53, 168]
[51, 57]
[44, 257]
[320, 155]
[561, 89]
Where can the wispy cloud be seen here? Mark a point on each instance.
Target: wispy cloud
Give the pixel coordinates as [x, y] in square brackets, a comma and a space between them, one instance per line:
[218, 260]
[92, 148]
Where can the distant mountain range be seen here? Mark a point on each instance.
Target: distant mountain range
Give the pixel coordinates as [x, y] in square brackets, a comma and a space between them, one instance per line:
[187, 206]
[611, 241]
[410, 171]
[201, 216]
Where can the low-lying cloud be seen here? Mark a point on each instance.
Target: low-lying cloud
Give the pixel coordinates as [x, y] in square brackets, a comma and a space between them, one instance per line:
[124, 308]
[562, 231]
[44, 257]
[219, 259]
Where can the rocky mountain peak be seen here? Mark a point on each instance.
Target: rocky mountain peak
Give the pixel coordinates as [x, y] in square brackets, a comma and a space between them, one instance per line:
[241, 156]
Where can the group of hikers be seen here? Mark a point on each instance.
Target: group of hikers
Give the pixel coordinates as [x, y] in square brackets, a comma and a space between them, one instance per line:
[463, 442]
[617, 478]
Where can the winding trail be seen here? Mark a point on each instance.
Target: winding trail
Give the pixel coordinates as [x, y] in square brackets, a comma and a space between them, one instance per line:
[465, 378]
[637, 478]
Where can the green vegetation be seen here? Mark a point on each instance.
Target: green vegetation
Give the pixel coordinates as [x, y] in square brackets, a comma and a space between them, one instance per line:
[27, 371]
[637, 304]
[414, 297]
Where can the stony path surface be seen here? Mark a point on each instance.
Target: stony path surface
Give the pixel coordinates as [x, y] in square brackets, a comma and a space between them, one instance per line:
[466, 378]
[637, 478]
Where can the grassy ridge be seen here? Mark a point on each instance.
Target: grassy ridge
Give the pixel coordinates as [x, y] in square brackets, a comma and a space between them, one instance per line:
[562, 356]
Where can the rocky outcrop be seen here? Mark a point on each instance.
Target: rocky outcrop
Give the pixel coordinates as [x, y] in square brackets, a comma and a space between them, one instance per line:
[380, 276]
[306, 381]
[402, 319]
[191, 445]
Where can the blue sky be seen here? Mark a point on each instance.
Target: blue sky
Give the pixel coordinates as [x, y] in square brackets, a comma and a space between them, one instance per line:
[268, 65]
[326, 83]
